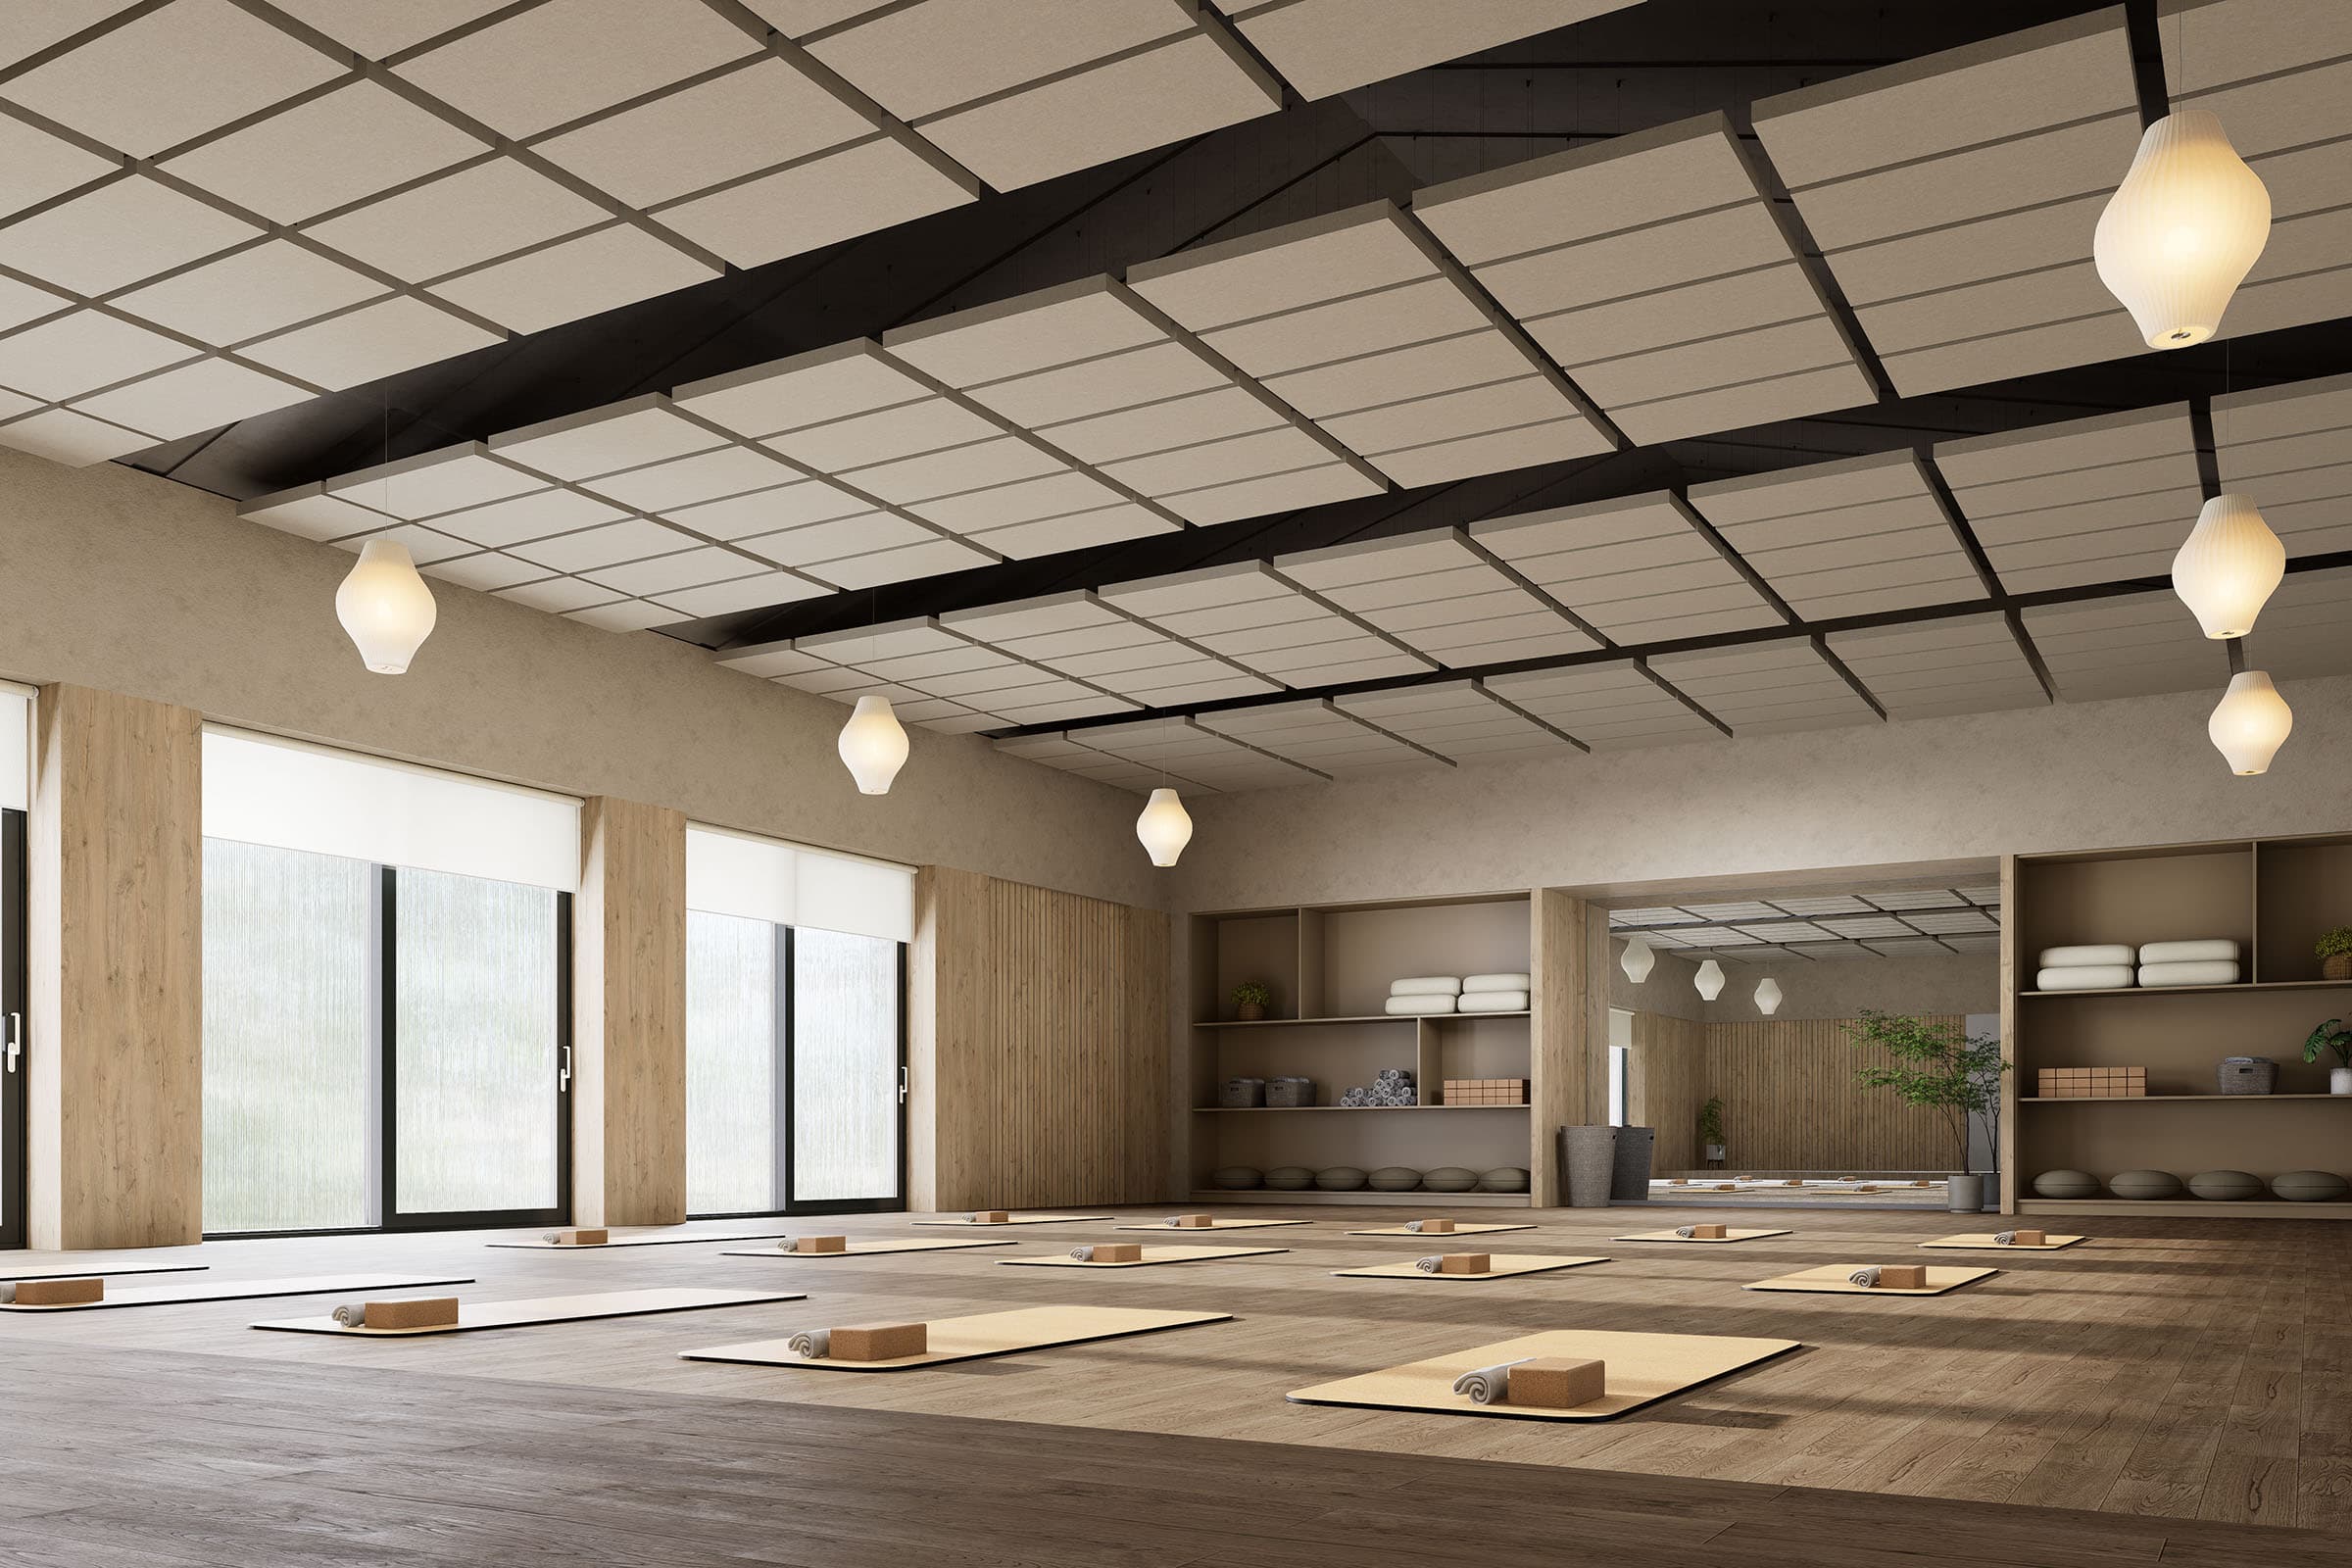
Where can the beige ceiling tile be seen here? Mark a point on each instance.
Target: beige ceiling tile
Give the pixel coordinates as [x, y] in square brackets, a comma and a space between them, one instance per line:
[577, 277]
[201, 396]
[459, 220]
[261, 289]
[36, 166]
[369, 343]
[82, 352]
[376, 29]
[76, 440]
[918, 60]
[117, 234]
[861, 189]
[339, 148]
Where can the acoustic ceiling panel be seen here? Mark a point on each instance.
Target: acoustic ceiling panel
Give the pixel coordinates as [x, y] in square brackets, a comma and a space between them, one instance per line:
[1766, 688]
[1316, 734]
[2304, 630]
[1181, 751]
[1438, 592]
[1933, 669]
[2103, 500]
[1341, 314]
[1323, 47]
[1458, 719]
[1954, 198]
[2289, 450]
[1852, 538]
[1635, 568]
[932, 676]
[1079, 635]
[1057, 750]
[1653, 269]
[1608, 708]
[1257, 620]
[2127, 646]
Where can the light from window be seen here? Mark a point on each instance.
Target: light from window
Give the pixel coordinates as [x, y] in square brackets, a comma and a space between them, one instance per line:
[730, 1065]
[844, 1078]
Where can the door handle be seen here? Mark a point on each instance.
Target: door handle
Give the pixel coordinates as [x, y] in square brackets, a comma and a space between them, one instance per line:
[563, 1071]
[15, 1049]
[901, 1085]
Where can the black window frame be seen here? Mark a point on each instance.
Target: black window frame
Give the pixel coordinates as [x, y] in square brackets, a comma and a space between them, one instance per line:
[14, 1048]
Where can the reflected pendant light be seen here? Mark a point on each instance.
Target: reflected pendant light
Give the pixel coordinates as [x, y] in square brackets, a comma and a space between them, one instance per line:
[2250, 722]
[1709, 979]
[1639, 959]
[1768, 996]
[1165, 828]
[385, 607]
[2227, 569]
[873, 745]
[2182, 231]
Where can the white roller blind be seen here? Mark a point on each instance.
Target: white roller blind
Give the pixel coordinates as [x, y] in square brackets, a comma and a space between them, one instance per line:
[16, 746]
[790, 884]
[261, 790]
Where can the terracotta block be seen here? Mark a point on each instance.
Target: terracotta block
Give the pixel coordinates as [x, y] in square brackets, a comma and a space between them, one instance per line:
[1902, 1277]
[1465, 1263]
[582, 1238]
[2031, 1237]
[991, 1216]
[1193, 1222]
[1709, 1233]
[59, 1292]
[820, 1244]
[880, 1342]
[1558, 1384]
[428, 1312]
[1118, 1251]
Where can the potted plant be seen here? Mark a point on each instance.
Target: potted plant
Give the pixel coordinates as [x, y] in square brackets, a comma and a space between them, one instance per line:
[1710, 1129]
[1943, 1068]
[2335, 950]
[2332, 1035]
[1250, 999]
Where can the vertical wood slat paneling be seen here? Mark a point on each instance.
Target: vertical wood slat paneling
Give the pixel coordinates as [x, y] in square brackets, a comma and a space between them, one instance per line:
[629, 1030]
[1662, 1076]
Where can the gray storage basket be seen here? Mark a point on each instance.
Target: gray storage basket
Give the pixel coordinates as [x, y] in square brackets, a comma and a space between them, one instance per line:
[1242, 1094]
[2249, 1075]
[1291, 1092]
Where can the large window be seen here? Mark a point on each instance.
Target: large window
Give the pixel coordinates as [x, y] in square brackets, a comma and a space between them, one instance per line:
[846, 1067]
[733, 1163]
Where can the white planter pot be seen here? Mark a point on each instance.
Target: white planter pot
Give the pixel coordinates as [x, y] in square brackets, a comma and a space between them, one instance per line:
[2339, 1080]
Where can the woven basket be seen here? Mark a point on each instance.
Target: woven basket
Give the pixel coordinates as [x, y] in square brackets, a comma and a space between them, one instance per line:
[1242, 1094]
[1291, 1092]
[2256, 1075]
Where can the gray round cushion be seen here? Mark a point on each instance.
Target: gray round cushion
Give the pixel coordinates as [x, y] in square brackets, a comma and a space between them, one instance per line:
[1239, 1178]
[2310, 1185]
[2145, 1184]
[2225, 1185]
[1396, 1179]
[1340, 1179]
[1509, 1179]
[2066, 1183]
[1289, 1178]
[1450, 1179]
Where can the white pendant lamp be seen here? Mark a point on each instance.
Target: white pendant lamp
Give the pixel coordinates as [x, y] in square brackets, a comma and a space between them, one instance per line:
[385, 607]
[1165, 827]
[2182, 231]
[873, 745]
[1639, 959]
[2250, 722]
[1709, 979]
[1768, 996]
[2228, 567]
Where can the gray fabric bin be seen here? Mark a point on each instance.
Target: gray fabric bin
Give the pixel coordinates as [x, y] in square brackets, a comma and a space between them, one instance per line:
[1630, 1181]
[1588, 1165]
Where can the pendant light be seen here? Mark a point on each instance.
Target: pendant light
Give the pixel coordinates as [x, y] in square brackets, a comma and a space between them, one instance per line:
[1639, 959]
[873, 745]
[2225, 570]
[2250, 722]
[1165, 827]
[2183, 229]
[1768, 996]
[385, 607]
[1709, 979]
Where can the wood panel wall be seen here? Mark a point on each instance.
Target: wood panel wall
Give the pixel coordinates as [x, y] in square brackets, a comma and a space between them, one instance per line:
[114, 921]
[628, 1016]
[1569, 1003]
[1662, 1089]
[1038, 1046]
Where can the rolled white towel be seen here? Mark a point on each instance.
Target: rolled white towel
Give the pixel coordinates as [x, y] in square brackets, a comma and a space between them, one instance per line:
[1429, 1266]
[1685, 1232]
[1866, 1276]
[550, 1236]
[351, 1315]
[1492, 1002]
[1084, 1254]
[2103, 953]
[1489, 1385]
[2084, 977]
[2004, 1238]
[1475, 982]
[8, 1292]
[1419, 1005]
[814, 1343]
[2217, 950]
[1413, 1225]
[1427, 985]
[2209, 973]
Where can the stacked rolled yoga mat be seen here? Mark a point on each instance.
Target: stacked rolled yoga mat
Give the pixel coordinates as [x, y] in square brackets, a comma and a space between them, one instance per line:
[2153, 965]
[1430, 993]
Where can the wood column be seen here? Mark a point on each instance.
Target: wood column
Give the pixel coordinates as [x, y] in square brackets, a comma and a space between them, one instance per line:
[1568, 1063]
[115, 948]
[628, 1016]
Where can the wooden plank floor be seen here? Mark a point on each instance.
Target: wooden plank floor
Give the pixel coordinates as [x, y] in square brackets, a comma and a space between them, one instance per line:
[2196, 1374]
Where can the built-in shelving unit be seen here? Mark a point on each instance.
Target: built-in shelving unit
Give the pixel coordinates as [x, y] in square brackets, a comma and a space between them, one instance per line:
[2272, 897]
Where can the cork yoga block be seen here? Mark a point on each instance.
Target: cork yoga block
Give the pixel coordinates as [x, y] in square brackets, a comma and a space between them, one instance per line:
[60, 1292]
[821, 1244]
[1902, 1277]
[1436, 1227]
[2031, 1239]
[1709, 1233]
[884, 1342]
[1465, 1263]
[1118, 1251]
[1193, 1222]
[1558, 1384]
[581, 1238]
[992, 1216]
[428, 1312]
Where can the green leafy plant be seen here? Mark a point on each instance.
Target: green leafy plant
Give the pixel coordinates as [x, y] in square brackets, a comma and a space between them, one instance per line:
[1249, 991]
[2329, 1036]
[2333, 942]
[1711, 1123]
[1938, 1066]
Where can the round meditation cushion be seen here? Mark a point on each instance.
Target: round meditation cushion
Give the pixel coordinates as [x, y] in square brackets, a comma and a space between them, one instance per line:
[1239, 1178]
[1509, 1179]
[2066, 1183]
[1450, 1179]
[2145, 1184]
[1340, 1179]
[2226, 1186]
[1289, 1178]
[1396, 1179]
[2310, 1185]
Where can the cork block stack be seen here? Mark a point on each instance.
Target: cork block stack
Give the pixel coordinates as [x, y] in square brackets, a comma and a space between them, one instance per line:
[1485, 1092]
[2092, 1083]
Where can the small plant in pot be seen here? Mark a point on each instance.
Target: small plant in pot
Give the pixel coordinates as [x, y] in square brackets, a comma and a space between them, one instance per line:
[2335, 950]
[2335, 1036]
[1250, 999]
[1710, 1129]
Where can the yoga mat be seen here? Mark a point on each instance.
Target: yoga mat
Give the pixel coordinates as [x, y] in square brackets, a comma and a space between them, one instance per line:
[1216, 1225]
[1731, 1234]
[902, 1243]
[659, 1237]
[1986, 1244]
[248, 1290]
[1501, 1265]
[1152, 1256]
[986, 1334]
[1019, 1219]
[547, 1309]
[1831, 1280]
[51, 1269]
[1460, 1228]
[1642, 1369]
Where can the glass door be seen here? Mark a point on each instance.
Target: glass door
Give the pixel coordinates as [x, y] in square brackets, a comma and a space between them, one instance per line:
[12, 1028]
[846, 1062]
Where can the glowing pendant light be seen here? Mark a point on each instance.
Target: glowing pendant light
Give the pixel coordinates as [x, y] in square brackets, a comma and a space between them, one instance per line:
[2250, 722]
[1165, 828]
[2227, 569]
[873, 745]
[385, 607]
[1768, 996]
[1638, 959]
[2182, 231]
[1709, 979]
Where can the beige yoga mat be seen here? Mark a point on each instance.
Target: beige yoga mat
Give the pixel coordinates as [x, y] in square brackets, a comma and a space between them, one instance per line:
[1017, 1219]
[248, 1290]
[1152, 1256]
[1501, 1265]
[1831, 1280]
[1985, 1244]
[1731, 1234]
[547, 1309]
[1460, 1228]
[666, 1237]
[1216, 1225]
[63, 1266]
[1642, 1369]
[969, 1339]
[898, 1243]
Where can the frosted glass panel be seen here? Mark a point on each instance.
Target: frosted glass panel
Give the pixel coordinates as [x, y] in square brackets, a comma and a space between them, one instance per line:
[476, 1046]
[844, 1078]
[730, 1065]
[287, 1111]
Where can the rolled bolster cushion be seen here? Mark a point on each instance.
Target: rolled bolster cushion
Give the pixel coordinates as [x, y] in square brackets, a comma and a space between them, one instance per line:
[2098, 953]
[2004, 1238]
[1084, 1254]
[1489, 1385]
[1412, 1005]
[2084, 977]
[1866, 1276]
[814, 1343]
[2209, 973]
[1427, 985]
[351, 1314]
[1492, 1002]
[1685, 1232]
[1429, 1266]
[2217, 950]
[1473, 984]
